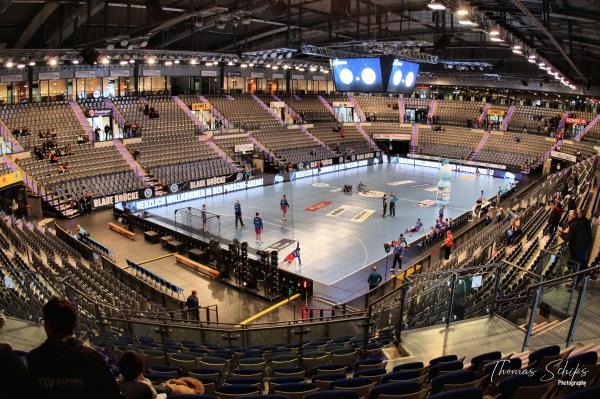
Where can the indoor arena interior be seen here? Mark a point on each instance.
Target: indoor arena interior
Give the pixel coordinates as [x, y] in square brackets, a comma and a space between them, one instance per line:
[289, 199]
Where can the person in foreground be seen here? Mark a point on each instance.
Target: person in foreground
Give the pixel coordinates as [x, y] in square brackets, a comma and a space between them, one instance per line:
[62, 367]
[134, 385]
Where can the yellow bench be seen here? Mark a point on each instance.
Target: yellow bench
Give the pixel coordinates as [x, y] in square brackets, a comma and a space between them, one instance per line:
[121, 230]
[198, 267]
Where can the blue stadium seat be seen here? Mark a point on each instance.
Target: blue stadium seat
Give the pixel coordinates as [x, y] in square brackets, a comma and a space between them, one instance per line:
[444, 367]
[395, 388]
[457, 377]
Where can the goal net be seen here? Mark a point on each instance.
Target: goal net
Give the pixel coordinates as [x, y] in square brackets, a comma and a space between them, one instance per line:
[205, 224]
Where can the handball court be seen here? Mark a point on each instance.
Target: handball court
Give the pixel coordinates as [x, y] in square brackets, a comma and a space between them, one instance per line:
[339, 234]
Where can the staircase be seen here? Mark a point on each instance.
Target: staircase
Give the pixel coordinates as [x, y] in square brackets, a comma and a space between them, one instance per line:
[262, 147]
[134, 165]
[401, 109]
[359, 111]
[369, 139]
[222, 154]
[62, 206]
[506, 120]
[9, 138]
[190, 114]
[414, 141]
[269, 110]
[287, 107]
[329, 107]
[108, 102]
[562, 122]
[483, 115]
[431, 112]
[587, 128]
[480, 145]
[82, 120]
[543, 157]
[216, 112]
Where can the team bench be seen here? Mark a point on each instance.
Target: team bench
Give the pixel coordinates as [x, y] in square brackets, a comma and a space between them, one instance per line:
[121, 230]
[198, 267]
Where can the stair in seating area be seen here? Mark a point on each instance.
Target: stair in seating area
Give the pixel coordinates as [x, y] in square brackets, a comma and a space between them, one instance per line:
[367, 137]
[401, 109]
[329, 107]
[587, 128]
[483, 115]
[563, 121]
[137, 168]
[414, 141]
[216, 112]
[269, 110]
[222, 154]
[480, 145]
[82, 120]
[9, 138]
[507, 117]
[108, 102]
[62, 206]
[543, 157]
[359, 111]
[190, 114]
[261, 146]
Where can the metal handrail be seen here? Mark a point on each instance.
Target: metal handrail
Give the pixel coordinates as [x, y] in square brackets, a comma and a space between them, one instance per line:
[563, 278]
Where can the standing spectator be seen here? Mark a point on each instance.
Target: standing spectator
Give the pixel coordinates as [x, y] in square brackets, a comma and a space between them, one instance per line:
[63, 367]
[258, 228]
[554, 218]
[237, 208]
[374, 278]
[479, 204]
[204, 218]
[448, 244]
[192, 306]
[385, 204]
[209, 122]
[136, 154]
[399, 245]
[579, 236]
[134, 385]
[393, 200]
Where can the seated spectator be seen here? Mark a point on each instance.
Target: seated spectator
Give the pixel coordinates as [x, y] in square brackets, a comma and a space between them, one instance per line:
[136, 155]
[134, 385]
[81, 231]
[62, 367]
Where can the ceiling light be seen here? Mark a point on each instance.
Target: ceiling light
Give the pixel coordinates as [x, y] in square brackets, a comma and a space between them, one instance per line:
[75, 62]
[168, 63]
[312, 69]
[144, 44]
[105, 60]
[325, 71]
[31, 63]
[531, 60]
[132, 61]
[53, 61]
[151, 60]
[193, 61]
[462, 11]
[496, 39]
[244, 66]
[436, 5]
[517, 51]
[494, 31]
[123, 62]
[466, 22]
[9, 64]
[176, 61]
[274, 67]
[20, 66]
[251, 64]
[268, 65]
[208, 63]
[230, 63]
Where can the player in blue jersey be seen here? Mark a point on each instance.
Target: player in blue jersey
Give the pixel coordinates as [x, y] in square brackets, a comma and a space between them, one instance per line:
[258, 228]
[284, 205]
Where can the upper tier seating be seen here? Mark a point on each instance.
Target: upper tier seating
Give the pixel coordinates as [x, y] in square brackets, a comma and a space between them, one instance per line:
[57, 117]
[312, 107]
[457, 113]
[384, 109]
[531, 117]
[243, 111]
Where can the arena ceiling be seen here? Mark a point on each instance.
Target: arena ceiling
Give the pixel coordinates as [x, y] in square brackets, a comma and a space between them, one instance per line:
[564, 32]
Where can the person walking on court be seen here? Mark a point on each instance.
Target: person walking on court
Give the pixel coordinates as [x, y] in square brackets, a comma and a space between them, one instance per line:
[192, 306]
[258, 228]
[237, 207]
[284, 205]
[393, 200]
[385, 204]
[374, 278]
[204, 218]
